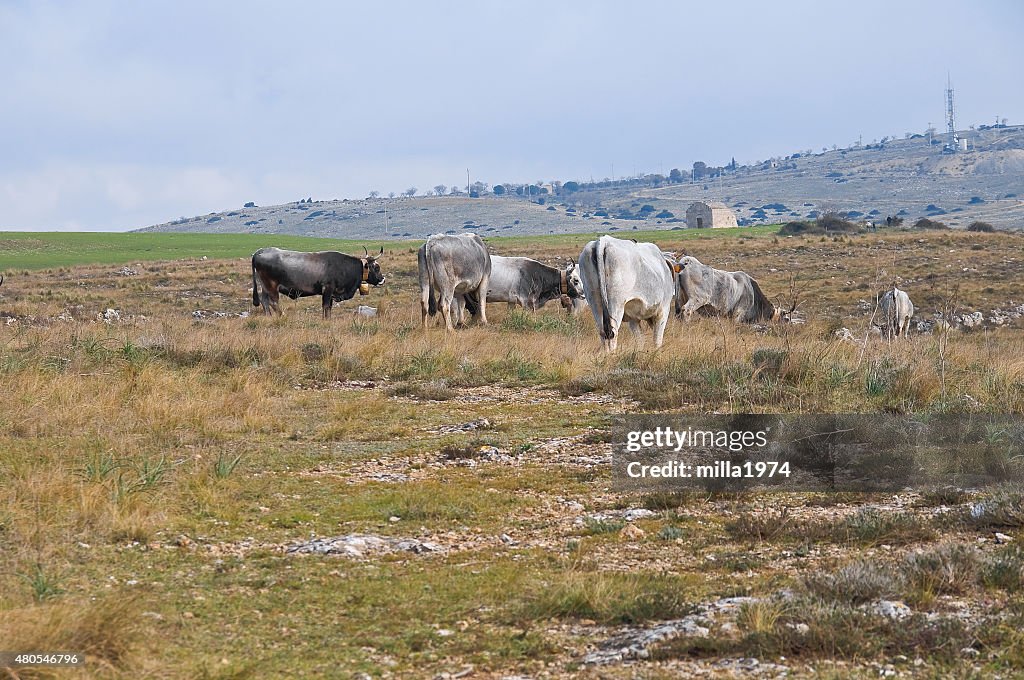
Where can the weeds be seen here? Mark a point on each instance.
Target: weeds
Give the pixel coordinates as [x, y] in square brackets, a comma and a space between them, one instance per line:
[225, 464]
[760, 526]
[607, 598]
[596, 527]
[855, 583]
[45, 586]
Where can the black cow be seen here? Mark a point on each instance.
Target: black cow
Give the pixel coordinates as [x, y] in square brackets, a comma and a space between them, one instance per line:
[332, 275]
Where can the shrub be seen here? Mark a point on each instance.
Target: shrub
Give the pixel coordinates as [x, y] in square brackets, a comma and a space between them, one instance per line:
[1003, 508]
[855, 583]
[925, 223]
[1005, 569]
[607, 598]
[981, 226]
[950, 568]
[830, 222]
[800, 227]
[760, 526]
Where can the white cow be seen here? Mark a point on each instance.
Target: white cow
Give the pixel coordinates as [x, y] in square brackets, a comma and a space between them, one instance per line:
[896, 309]
[624, 280]
[735, 295]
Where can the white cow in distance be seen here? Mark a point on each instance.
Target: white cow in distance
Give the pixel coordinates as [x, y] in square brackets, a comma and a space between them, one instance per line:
[896, 310]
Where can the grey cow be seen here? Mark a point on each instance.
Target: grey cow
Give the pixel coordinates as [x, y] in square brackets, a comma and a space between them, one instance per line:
[713, 292]
[529, 283]
[333, 276]
[896, 309]
[453, 268]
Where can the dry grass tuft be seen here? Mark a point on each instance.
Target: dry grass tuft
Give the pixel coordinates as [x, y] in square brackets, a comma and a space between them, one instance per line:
[105, 630]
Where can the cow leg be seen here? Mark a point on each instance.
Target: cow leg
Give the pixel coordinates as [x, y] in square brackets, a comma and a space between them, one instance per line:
[446, 301]
[274, 298]
[268, 295]
[459, 311]
[691, 306]
[659, 329]
[424, 305]
[326, 301]
[482, 291]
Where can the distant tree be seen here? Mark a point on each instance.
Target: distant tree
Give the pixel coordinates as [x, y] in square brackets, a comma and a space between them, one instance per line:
[410, 192]
[656, 180]
[479, 188]
[391, 194]
[455, 190]
[571, 187]
[499, 189]
[374, 194]
[250, 204]
[675, 176]
[440, 189]
[700, 169]
[732, 165]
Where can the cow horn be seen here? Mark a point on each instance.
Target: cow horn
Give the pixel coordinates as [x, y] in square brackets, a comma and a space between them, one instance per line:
[381, 251]
[365, 252]
[1, 279]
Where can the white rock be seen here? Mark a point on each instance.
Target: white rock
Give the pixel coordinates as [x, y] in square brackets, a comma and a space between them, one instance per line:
[891, 609]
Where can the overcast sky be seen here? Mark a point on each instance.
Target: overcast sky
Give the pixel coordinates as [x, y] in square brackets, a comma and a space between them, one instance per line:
[120, 115]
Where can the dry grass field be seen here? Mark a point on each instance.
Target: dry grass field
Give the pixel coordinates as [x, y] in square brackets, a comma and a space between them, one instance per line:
[156, 466]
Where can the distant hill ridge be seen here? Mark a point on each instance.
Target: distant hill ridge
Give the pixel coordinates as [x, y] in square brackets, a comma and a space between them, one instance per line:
[909, 177]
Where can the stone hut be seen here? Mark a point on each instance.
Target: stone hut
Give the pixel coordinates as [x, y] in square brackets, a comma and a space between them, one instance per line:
[713, 214]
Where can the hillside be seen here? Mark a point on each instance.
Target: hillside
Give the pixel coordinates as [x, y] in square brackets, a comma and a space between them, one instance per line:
[909, 177]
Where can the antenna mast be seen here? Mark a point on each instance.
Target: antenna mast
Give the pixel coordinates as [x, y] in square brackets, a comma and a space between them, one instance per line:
[950, 121]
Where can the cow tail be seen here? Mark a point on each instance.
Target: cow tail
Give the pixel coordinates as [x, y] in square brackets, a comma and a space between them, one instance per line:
[602, 292]
[472, 301]
[425, 279]
[255, 289]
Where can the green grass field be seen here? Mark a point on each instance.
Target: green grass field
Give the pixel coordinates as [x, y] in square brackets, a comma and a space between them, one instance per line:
[44, 250]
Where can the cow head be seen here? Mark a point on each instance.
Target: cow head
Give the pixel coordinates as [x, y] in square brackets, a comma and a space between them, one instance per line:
[371, 267]
[676, 265]
[572, 283]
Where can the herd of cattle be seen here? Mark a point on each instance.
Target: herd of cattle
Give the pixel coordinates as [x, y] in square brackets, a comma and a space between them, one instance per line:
[620, 280]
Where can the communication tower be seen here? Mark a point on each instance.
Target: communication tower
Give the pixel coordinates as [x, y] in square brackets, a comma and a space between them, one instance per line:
[953, 141]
